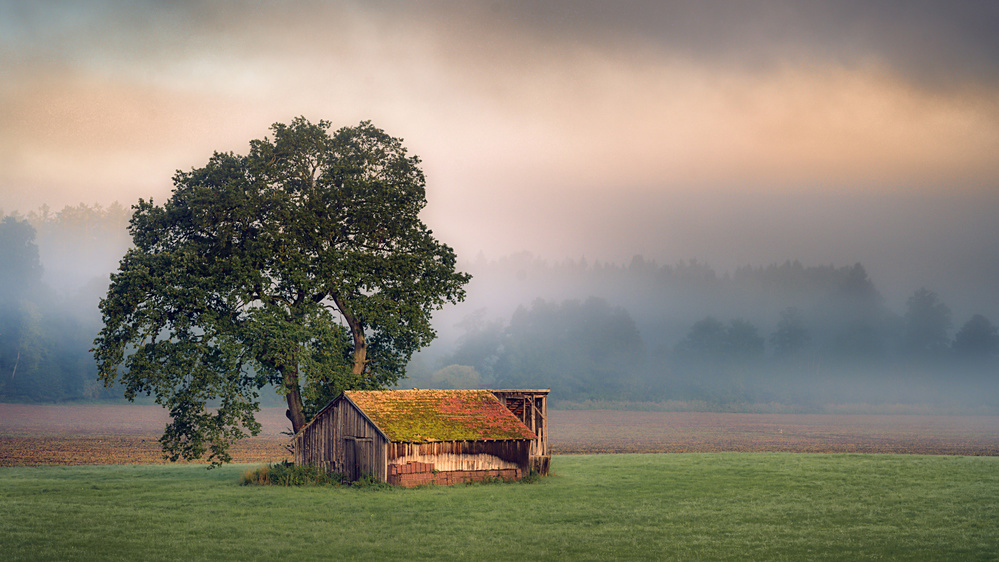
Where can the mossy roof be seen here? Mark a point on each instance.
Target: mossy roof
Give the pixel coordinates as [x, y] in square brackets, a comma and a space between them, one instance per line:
[423, 416]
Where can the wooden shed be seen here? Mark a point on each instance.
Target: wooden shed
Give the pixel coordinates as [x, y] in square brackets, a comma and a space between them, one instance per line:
[412, 437]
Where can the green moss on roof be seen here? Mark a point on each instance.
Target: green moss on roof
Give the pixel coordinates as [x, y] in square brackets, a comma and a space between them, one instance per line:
[422, 416]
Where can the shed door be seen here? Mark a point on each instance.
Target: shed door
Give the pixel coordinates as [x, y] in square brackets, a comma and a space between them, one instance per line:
[360, 452]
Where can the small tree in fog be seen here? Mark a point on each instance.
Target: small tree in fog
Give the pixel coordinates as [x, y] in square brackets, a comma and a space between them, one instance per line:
[791, 335]
[927, 321]
[743, 340]
[706, 338]
[456, 376]
[978, 338]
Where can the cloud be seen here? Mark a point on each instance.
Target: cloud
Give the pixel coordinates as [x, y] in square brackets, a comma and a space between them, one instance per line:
[718, 130]
[930, 42]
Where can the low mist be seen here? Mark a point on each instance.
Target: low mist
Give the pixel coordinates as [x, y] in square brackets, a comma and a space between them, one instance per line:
[635, 333]
[781, 337]
[56, 269]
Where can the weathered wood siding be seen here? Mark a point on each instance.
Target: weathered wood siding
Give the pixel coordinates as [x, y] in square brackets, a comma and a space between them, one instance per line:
[464, 455]
[341, 439]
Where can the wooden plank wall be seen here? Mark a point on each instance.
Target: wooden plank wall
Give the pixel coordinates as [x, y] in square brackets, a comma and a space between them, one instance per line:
[464, 455]
[340, 439]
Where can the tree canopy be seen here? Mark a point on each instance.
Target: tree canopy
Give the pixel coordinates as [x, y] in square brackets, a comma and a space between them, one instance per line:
[927, 321]
[303, 264]
[978, 338]
[791, 335]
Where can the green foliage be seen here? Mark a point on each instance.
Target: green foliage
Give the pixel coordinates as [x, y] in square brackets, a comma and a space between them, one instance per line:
[532, 477]
[288, 474]
[726, 506]
[303, 264]
[371, 482]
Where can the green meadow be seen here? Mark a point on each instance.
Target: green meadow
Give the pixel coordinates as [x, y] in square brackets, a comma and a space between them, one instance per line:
[594, 507]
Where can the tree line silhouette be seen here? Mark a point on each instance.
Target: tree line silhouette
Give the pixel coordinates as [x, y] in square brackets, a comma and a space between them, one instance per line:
[55, 267]
[638, 331]
[782, 333]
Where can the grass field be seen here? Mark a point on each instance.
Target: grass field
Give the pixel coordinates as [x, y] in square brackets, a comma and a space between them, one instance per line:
[595, 507]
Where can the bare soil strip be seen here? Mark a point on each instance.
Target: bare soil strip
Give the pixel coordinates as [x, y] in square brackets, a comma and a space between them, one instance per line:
[607, 431]
[127, 434]
[113, 434]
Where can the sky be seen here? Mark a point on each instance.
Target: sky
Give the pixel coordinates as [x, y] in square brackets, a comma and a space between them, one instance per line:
[737, 133]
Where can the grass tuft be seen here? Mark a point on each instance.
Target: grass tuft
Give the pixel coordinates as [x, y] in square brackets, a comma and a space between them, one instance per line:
[287, 474]
[372, 482]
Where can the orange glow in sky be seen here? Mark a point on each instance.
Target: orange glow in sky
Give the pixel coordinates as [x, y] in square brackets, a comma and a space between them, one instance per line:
[568, 129]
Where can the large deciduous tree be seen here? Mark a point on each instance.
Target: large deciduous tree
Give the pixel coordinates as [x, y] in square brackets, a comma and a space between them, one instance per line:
[303, 264]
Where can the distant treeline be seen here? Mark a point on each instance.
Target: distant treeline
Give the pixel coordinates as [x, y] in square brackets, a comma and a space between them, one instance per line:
[55, 268]
[782, 333]
[639, 332]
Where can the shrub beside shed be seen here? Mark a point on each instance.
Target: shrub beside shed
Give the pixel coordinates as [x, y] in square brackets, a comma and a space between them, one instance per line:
[412, 437]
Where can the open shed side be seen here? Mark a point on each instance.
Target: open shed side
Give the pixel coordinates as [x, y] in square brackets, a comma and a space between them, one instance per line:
[530, 406]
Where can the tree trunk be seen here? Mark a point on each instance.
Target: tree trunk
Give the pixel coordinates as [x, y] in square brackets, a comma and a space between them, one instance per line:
[357, 334]
[295, 411]
[360, 350]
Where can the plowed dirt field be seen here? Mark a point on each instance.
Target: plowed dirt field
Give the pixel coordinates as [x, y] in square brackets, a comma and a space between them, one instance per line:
[127, 434]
